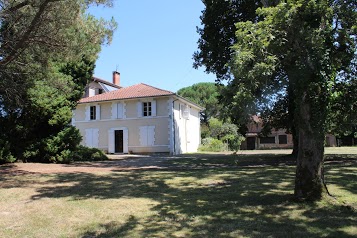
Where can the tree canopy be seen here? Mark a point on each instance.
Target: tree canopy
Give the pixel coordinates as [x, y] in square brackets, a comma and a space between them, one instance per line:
[300, 48]
[48, 51]
[204, 95]
[218, 33]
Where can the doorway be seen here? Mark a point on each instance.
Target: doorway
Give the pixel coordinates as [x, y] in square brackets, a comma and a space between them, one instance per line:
[118, 141]
[250, 143]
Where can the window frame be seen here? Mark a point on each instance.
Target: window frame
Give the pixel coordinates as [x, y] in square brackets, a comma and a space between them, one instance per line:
[147, 109]
[92, 113]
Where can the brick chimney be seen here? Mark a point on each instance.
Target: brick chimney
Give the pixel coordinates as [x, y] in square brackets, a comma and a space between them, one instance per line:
[116, 78]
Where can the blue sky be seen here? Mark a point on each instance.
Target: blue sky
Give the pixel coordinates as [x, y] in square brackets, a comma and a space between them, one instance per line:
[153, 44]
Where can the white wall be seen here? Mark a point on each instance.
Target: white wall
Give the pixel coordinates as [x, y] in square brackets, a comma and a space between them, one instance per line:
[187, 129]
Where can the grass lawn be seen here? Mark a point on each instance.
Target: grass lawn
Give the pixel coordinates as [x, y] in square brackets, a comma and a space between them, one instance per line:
[205, 196]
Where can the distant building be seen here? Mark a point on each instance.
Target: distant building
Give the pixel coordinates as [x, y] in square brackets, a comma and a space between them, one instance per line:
[276, 139]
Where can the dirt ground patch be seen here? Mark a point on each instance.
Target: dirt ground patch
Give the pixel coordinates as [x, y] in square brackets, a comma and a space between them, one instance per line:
[116, 163]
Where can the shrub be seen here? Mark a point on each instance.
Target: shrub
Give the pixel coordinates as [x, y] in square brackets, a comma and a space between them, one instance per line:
[84, 153]
[233, 141]
[61, 147]
[5, 153]
[213, 145]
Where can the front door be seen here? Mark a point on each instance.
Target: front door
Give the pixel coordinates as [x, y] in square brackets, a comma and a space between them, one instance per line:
[118, 141]
[251, 143]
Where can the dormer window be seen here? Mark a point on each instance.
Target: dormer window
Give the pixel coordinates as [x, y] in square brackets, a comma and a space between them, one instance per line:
[147, 112]
[93, 113]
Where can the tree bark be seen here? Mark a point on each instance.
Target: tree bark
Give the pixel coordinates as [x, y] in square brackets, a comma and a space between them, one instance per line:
[309, 184]
[295, 142]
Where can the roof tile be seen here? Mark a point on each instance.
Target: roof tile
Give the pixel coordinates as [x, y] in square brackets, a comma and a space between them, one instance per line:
[136, 91]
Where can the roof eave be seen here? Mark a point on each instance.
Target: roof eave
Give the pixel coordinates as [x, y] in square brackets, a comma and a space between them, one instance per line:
[126, 98]
[189, 102]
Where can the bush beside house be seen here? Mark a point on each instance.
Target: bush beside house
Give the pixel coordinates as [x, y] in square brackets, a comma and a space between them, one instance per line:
[220, 136]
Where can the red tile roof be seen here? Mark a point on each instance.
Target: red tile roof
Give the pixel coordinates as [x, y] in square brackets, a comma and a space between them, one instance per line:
[136, 91]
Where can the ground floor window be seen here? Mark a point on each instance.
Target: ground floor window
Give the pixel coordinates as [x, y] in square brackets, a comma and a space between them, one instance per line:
[267, 140]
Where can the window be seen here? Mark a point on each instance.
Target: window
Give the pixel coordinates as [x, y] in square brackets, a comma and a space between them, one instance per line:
[267, 140]
[91, 92]
[283, 139]
[184, 111]
[100, 91]
[93, 113]
[147, 109]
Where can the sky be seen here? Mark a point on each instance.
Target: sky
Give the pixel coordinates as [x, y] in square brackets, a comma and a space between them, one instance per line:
[153, 44]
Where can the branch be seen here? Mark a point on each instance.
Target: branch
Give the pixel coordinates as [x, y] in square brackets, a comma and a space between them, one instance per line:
[16, 7]
[21, 43]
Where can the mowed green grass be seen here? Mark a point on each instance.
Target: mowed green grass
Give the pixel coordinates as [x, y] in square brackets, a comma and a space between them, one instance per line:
[207, 196]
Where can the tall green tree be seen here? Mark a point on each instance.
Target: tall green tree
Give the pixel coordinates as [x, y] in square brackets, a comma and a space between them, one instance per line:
[215, 52]
[218, 33]
[43, 78]
[205, 95]
[300, 48]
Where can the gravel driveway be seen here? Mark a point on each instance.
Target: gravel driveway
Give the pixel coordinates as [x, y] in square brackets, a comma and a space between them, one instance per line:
[117, 163]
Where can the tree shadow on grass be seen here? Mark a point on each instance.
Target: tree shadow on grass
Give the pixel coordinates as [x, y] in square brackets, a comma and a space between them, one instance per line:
[253, 200]
[247, 201]
[113, 229]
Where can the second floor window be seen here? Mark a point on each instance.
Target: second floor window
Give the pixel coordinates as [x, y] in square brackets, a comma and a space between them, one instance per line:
[147, 109]
[93, 113]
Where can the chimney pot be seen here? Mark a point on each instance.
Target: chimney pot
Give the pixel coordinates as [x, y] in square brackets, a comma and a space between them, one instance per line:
[116, 78]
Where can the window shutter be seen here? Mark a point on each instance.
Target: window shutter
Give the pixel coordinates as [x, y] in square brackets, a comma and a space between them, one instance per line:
[180, 110]
[91, 92]
[153, 108]
[97, 112]
[151, 135]
[114, 110]
[188, 112]
[111, 141]
[126, 140]
[143, 136]
[140, 109]
[87, 113]
[89, 135]
[119, 110]
[95, 139]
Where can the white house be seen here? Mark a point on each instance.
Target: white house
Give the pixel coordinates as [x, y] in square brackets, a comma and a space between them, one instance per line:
[136, 119]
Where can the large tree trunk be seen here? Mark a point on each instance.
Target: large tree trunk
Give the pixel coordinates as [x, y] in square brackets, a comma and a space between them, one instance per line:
[309, 184]
[291, 117]
[295, 142]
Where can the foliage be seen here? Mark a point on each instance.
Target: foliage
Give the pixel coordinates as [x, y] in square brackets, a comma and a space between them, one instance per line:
[213, 145]
[60, 148]
[84, 153]
[43, 74]
[205, 131]
[5, 153]
[297, 49]
[215, 52]
[204, 95]
[224, 132]
[218, 33]
[43, 25]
